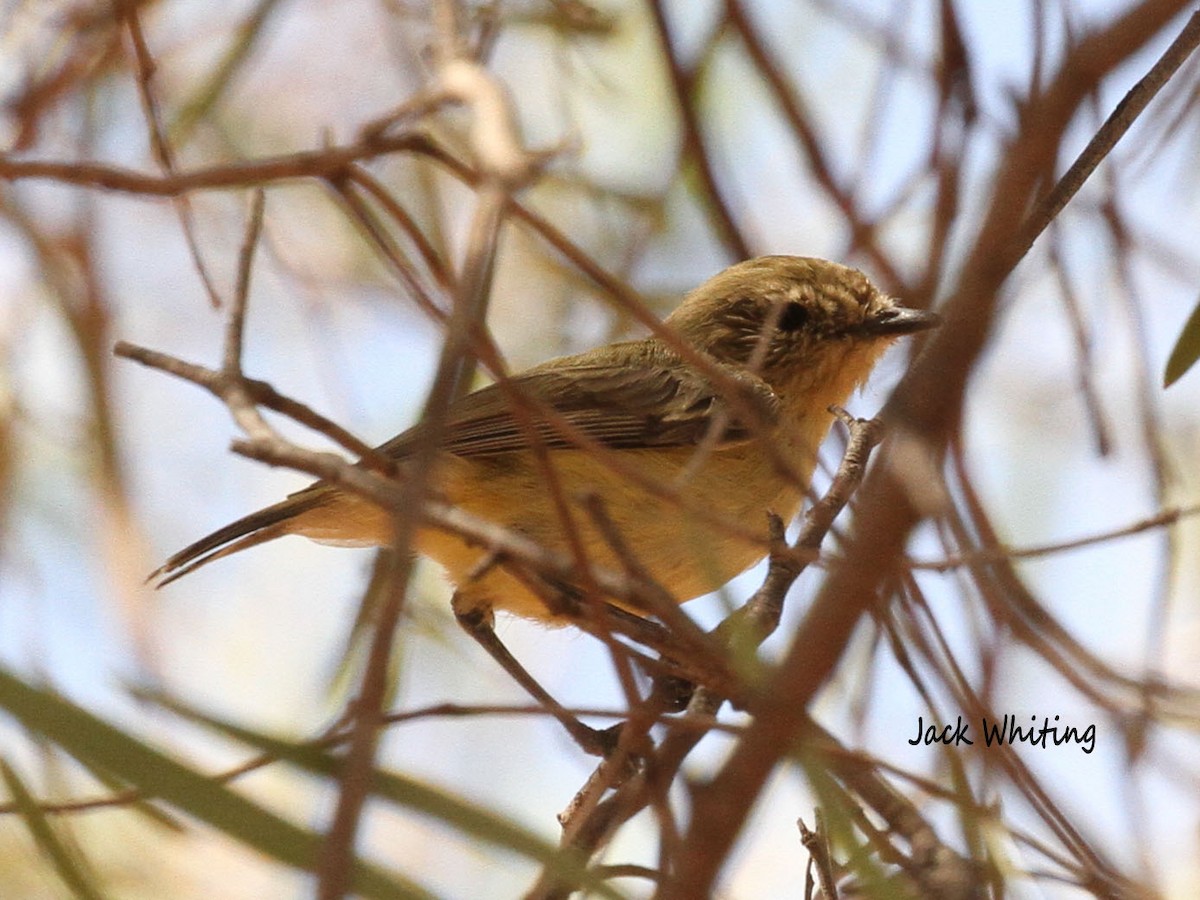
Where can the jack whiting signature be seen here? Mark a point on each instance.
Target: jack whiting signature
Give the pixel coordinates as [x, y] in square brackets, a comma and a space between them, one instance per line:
[1010, 730]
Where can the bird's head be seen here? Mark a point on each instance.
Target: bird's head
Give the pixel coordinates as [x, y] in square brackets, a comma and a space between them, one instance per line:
[803, 324]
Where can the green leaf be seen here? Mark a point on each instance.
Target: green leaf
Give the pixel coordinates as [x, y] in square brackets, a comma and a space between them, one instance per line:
[1187, 350]
[71, 869]
[97, 744]
[410, 794]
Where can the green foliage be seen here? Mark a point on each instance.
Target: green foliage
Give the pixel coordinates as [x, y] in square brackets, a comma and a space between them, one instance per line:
[102, 746]
[1186, 350]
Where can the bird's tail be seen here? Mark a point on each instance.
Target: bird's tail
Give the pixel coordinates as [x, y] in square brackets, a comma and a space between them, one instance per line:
[259, 527]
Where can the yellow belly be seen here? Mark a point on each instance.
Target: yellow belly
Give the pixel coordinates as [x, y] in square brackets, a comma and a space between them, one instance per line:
[687, 553]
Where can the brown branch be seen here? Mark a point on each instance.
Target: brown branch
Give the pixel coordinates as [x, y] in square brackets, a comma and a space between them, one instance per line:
[820, 856]
[1122, 117]
[337, 854]
[261, 393]
[797, 117]
[928, 401]
[160, 146]
[433, 260]
[326, 162]
[956, 116]
[1001, 552]
[695, 146]
[505, 165]
[1015, 607]
[1085, 366]
[236, 323]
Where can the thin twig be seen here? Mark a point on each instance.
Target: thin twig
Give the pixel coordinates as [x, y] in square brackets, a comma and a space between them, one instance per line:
[684, 83]
[817, 844]
[325, 162]
[236, 323]
[998, 552]
[261, 393]
[815, 149]
[159, 144]
[1113, 129]
[1085, 365]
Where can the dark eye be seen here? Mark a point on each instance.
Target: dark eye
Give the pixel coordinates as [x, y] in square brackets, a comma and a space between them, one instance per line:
[794, 317]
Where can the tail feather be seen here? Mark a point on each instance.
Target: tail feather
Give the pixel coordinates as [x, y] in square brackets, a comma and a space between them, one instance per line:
[249, 531]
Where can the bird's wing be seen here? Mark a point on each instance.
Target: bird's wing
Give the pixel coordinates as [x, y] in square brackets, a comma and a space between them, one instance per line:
[627, 396]
[627, 400]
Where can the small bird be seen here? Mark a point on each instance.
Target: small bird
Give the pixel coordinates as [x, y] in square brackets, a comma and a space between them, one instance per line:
[796, 334]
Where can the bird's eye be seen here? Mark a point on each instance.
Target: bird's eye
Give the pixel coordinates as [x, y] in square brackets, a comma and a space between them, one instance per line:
[794, 317]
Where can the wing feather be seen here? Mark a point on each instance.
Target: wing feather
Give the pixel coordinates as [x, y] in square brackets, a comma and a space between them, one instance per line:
[632, 401]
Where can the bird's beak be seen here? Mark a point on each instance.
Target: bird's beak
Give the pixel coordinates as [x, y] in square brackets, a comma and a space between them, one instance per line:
[896, 321]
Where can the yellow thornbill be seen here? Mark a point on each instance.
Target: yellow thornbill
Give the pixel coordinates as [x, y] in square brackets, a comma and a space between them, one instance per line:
[797, 334]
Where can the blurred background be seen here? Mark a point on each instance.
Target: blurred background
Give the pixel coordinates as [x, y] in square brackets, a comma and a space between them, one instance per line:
[689, 135]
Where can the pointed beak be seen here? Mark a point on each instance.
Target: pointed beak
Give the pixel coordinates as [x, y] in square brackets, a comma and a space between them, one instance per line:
[896, 321]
